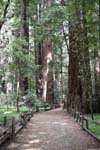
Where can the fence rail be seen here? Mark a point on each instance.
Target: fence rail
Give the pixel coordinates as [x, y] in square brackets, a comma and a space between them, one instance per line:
[11, 127]
[84, 122]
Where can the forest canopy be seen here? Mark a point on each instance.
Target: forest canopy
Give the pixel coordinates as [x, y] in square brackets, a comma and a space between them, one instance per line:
[50, 52]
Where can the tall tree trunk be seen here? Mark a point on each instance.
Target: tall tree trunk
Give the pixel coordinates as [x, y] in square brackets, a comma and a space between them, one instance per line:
[44, 59]
[47, 71]
[97, 65]
[73, 71]
[74, 99]
[25, 48]
[61, 73]
[86, 72]
[79, 74]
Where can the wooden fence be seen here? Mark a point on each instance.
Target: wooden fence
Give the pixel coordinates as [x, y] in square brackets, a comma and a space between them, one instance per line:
[11, 127]
[84, 122]
[42, 108]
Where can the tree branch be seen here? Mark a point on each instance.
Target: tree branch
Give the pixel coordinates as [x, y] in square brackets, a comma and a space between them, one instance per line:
[65, 38]
[4, 14]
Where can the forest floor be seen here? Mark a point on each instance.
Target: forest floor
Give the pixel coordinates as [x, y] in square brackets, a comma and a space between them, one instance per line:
[52, 130]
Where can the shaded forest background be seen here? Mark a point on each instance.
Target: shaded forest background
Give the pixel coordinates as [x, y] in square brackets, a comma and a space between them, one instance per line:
[50, 52]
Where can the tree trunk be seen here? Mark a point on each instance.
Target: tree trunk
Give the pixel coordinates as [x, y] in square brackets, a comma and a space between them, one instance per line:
[25, 48]
[86, 72]
[44, 81]
[47, 94]
[79, 74]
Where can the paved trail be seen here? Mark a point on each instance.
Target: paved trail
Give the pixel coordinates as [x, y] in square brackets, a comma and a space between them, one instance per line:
[52, 130]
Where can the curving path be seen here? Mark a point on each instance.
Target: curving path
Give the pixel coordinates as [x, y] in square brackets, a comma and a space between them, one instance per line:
[52, 130]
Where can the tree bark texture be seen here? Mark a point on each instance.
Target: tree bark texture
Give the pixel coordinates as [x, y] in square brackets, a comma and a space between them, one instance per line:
[24, 34]
[79, 74]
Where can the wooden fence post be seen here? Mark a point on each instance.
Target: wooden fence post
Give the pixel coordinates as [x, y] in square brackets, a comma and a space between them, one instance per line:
[83, 121]
[32, 113]
[5, 121]
[37, 108]
[80, 118]
[13, 128]
[77, 116]
[87, 125]
[24, 120]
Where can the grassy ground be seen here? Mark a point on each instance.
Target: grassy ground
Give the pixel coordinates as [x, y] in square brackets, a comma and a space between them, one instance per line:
[93, 127]
[10, 111]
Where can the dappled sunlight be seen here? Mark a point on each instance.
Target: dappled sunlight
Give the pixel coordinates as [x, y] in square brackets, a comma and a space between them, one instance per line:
[49, 57]
[30, 136]
[60, 123]
[34, 141]
[7, 112]
[42, 133]
[34, 149]
[51, 131]
[49, 74]
[26, 145]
